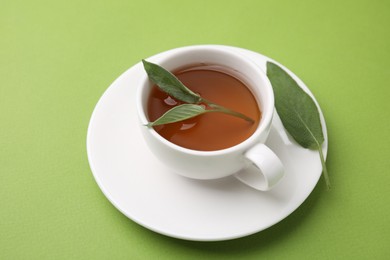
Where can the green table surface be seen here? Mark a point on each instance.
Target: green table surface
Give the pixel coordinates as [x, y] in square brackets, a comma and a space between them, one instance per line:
[58, 57]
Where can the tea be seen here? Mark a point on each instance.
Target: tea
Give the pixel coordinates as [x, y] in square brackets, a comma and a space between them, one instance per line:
[210, 131]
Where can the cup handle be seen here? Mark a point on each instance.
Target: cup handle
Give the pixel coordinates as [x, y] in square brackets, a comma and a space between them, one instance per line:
[268, 171]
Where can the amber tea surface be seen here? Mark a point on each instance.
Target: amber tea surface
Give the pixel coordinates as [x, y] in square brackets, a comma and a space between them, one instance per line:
[210, 131]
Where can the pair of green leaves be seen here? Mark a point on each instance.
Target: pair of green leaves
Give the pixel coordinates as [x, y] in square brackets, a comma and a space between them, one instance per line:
[297, 110]
[171, 85]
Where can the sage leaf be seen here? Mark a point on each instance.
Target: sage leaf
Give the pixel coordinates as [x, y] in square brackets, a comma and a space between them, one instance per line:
[168, 83]
[179, 113]
[298, 112]
[296, 109]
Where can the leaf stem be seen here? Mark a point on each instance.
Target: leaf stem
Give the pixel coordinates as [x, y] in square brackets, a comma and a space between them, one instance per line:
[325, 171]
[225, 110]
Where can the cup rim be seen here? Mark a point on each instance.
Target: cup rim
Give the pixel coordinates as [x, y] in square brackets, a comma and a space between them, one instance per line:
[250, 141]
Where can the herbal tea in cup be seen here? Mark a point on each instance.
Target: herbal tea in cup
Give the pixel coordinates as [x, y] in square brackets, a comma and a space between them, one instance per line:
[212, 118]
[211, 131]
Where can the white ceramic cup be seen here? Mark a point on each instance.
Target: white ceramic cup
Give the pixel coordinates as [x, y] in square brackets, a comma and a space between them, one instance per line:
[238, 160]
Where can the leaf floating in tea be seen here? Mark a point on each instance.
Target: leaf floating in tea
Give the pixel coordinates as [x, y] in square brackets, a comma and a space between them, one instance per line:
[179, 113]
[298, 112]
[168, 83]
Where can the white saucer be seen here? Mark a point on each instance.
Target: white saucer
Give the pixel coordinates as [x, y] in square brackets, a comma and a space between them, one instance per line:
[145, 191]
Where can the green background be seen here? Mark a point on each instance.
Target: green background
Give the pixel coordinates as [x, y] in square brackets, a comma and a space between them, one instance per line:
[58, 57]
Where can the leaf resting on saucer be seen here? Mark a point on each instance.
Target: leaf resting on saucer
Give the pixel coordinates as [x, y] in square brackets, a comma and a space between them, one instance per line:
[298, 112]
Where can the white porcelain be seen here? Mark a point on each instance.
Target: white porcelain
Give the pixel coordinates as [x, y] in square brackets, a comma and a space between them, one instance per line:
[147, 192]
[221, 163]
